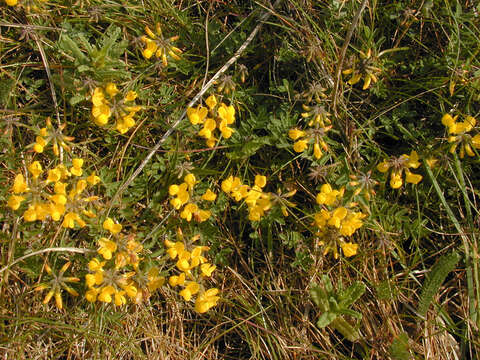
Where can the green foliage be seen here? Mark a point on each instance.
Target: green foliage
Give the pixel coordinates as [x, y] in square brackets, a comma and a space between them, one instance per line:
[425, 63]
[399, 349]
[435, 279]
[334, 304]
[93, 63]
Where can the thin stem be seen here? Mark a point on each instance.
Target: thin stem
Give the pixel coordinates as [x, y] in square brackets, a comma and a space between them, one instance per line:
[58, 249]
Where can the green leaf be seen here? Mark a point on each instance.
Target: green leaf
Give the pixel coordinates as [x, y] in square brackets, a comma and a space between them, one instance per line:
[436, 278]
[346, 329]
[399, 348]
[327, 283]
[352, 294]
[249, 148]
[76, 99]
[351, 313]
[326, 319]
[83, 68]
[319, 297]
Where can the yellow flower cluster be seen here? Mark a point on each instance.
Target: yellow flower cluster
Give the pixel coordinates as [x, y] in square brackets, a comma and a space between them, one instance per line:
[258, 202]
[108, 102]
[49, 134]
[159, 46]
[57, 284]
[61, 194]
[118, 275]
[364, 69]
[399, 165]
[182, 194]
[11, 2]
[336, 221]
[459, 134]
[316, 132]
[215, 117]
[194, 268]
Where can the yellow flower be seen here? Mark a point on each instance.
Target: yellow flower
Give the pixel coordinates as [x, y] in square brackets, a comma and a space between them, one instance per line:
[227, 113]
[413, 178]
[106, 294]
[448, 120]
[160, 46]
[76, 168]
[202, 215]
[197, 115]
[181, 193]
[39, 144]
[130, 290]
[98, 98]
[20, 185]
[190, 180]
[395, 180]
[209, 195]
[383, 166]
[295, 134]
[206, 300]
[225, 130]
[349, 249]
[102, 110]
[94, 279]
[150, 49]
[207, 269]
[119, 298]
[154, 280]
[413, 160]
[36, 169]
[93, 179]
[476, 141]
[54, 175]
[351, 223]
[337, 216]
[328, 195]
[196, 256]
[107, 247]
[131, 95]
[60, 188]
[208, 127]
[111, 89]
[174, 248]
[91, 295]
[211, 101]
[95, 264]
[70, 219]
[316, 151]
[400, 164]
[101, 114]
[182, 262]
[177, 280]
[111, 226]
[191, 289]
[11, 2]
[188, 211]
[260, 181]
[56, 211]
[35, 212]
[14, 201]
[300, 146]
[59, 199]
